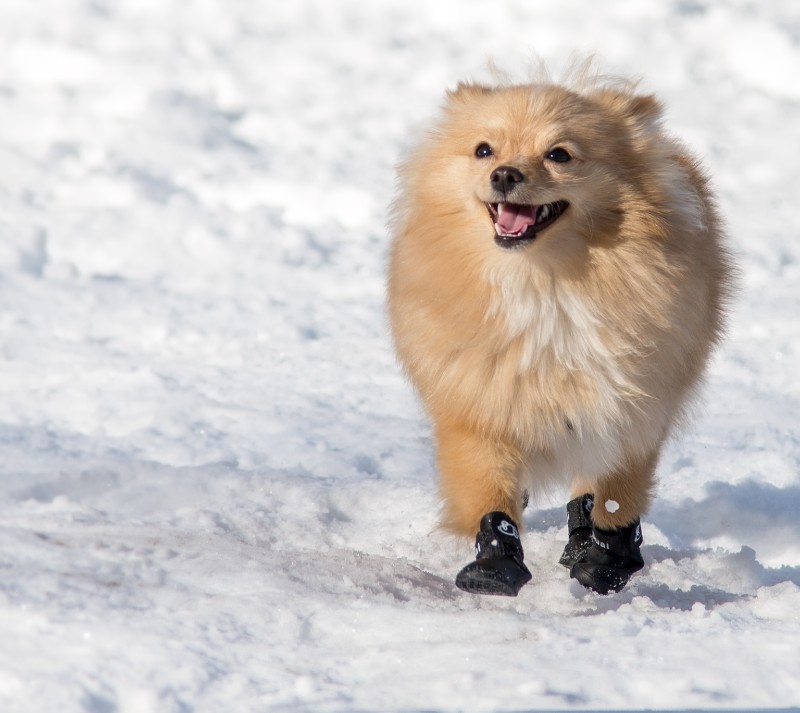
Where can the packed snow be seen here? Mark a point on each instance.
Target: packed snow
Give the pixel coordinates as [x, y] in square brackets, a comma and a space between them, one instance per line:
[217, 489]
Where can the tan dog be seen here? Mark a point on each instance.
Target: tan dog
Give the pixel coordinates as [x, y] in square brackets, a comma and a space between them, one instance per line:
[556, 286]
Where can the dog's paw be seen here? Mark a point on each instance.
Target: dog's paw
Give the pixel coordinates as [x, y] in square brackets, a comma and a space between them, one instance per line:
[603, 579]
[610, 560]
[502, 576]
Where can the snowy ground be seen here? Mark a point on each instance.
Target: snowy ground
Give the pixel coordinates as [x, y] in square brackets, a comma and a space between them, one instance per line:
[216, 488]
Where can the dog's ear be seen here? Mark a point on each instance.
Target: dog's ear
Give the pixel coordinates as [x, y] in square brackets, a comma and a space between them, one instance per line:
[643, 112]
[466, 90]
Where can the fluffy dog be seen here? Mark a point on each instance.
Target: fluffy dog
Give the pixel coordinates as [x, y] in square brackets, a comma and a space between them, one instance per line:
[557, 282]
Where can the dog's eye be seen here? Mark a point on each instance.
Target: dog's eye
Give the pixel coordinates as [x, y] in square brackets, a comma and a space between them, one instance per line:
[558, 155]
[483, 151]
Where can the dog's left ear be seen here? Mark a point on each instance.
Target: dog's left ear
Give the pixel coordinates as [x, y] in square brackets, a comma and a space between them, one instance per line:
[643, 112]
[466, 90]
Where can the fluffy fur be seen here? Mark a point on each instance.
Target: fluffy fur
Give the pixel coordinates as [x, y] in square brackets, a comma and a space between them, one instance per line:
[571, 357]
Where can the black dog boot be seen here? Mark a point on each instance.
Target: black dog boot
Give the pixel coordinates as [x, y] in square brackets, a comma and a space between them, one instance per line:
[498, 567]
[611, 559]
[579, 525]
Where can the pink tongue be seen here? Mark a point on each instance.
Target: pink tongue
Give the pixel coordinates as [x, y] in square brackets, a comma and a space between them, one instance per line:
[516, 218]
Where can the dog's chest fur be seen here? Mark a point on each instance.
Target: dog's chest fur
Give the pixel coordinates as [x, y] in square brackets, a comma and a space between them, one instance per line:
[554, 323]
[570, 385]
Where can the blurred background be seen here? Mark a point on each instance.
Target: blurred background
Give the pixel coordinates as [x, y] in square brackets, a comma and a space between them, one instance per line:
[217, 490]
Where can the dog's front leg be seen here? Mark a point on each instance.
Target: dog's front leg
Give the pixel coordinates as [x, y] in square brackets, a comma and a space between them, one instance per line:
[481, 492]
[605, 561]
[478, 474]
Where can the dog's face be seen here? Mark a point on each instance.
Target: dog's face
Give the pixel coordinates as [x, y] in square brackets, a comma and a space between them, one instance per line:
[532, 163]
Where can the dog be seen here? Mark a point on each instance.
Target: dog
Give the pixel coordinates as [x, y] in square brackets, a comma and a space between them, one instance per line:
[557, 281]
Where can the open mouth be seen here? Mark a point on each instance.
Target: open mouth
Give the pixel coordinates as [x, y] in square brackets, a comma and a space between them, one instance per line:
[516, 224]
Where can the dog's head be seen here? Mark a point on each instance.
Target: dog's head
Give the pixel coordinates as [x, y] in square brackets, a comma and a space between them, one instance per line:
[531, 163]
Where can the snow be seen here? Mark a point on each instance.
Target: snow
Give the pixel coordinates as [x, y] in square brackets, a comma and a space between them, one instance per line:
[217, 489]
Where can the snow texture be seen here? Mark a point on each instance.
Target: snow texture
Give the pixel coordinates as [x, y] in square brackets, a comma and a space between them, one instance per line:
[217, 489]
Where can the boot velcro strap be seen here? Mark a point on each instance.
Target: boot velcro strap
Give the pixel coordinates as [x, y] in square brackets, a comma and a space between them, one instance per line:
[619, 542]
[579, 512]
[498, 536]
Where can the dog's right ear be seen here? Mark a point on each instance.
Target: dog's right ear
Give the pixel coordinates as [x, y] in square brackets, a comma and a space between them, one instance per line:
[642, 111]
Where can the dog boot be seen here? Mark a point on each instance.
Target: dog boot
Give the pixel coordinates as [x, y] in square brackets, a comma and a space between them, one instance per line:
[611, 559]
[498, 566]
[579, 526]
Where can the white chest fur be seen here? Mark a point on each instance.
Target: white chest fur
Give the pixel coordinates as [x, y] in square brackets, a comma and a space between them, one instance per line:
[555, 323]
[570, 363]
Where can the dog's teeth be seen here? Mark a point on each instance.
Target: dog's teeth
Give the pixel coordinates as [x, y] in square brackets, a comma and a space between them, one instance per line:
[545, 213]
[500, 207]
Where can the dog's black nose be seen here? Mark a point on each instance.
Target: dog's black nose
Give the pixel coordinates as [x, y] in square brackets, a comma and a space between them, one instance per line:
[504, 178]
